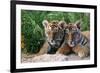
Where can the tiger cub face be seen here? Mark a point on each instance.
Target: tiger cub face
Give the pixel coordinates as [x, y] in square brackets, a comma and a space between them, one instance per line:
[73, 35]
[54, 32]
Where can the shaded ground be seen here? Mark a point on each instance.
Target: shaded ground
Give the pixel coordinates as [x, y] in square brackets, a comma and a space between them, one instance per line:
[48, 58]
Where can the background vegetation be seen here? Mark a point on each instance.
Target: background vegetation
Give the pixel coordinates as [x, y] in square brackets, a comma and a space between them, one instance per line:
[32, 31]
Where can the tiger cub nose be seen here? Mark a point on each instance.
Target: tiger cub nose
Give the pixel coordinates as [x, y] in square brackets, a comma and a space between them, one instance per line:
[52, 42]
[71, 43]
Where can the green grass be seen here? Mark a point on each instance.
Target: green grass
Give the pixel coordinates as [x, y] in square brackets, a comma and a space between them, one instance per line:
[32, 28]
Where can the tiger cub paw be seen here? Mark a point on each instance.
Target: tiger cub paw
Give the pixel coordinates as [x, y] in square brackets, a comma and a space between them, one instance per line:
[83, 53]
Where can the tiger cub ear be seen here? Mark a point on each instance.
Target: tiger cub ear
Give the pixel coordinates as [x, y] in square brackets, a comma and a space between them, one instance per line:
[62, 24]
[45, 23]
[78, 24]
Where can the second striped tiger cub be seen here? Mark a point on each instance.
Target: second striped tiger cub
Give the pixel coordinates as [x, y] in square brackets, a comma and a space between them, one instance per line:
[75, 41]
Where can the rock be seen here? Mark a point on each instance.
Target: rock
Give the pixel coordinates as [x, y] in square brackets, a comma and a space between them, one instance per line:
[50, 57]
[45, 58]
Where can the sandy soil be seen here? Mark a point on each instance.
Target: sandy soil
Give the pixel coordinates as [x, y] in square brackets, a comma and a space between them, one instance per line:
[50, 58]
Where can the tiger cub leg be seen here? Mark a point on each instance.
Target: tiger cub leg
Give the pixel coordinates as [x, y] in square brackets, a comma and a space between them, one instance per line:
[81, 51]
[43, 50]
[64, 50]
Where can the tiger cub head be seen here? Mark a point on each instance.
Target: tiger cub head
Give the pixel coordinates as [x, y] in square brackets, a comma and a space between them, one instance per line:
[73, 35]
[54, 32]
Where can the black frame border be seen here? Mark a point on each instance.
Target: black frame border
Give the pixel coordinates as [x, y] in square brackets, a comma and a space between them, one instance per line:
[13, 35]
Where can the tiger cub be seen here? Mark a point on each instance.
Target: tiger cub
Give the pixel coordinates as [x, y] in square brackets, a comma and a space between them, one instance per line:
[54, 33]
[75, 41]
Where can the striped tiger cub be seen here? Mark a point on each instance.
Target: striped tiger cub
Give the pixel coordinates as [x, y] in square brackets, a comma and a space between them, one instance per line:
[75, 41]
[80, 43]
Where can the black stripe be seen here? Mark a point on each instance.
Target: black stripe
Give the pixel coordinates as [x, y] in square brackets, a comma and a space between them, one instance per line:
[83, 40]
[85, 43]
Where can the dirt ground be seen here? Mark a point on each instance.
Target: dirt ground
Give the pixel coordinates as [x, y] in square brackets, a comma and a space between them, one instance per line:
[50, 58]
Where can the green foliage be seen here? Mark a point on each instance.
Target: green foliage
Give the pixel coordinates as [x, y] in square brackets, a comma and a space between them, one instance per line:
[32, 28]
[55, 16]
